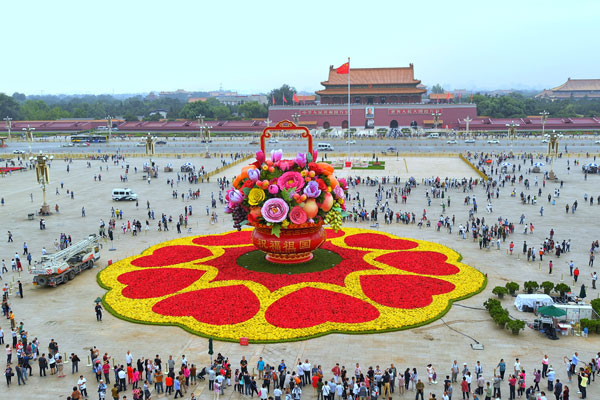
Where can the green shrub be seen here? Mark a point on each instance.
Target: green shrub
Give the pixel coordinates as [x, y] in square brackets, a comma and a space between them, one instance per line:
[512, 287]
[562, 288]
[547, 286]
[596, 305]
[500, 291]
[489, 304]
[515, 326]
[531, 286]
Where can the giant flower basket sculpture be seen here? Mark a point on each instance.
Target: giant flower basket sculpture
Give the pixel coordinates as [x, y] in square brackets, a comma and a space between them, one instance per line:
[287, 201]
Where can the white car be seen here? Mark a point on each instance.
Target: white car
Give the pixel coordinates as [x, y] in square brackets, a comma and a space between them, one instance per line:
[68, 145]
[597, 142]
[451, 142]
[273, 141]
[18, 152]
[141, 144]
[469, 140]
[493, 141]
[545, 141]
[350, 141]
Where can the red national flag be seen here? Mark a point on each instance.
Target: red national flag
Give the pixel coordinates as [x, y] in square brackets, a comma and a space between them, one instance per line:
[296, 98]
[273, 99]
[471, 97]
[284, 100]
[459, 96]
[448, 97]
[343, 69]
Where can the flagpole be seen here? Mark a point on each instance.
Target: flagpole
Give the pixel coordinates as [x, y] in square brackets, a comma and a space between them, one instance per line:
[348, 142]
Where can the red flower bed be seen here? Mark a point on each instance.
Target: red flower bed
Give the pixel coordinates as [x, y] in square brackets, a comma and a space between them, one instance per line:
[403, 291]
[215, 306]
[380, 242]
[172, 255]
[150, 283]
[419, 262]
[309, 306]
[352, 260]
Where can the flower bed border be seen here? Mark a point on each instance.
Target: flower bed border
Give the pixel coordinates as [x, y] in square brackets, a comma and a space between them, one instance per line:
[292, 339]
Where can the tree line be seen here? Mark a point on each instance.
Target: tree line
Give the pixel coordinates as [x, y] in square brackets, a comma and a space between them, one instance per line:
[20, 107]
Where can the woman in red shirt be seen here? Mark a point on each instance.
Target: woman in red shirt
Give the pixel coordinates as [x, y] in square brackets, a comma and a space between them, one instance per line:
[512, 381]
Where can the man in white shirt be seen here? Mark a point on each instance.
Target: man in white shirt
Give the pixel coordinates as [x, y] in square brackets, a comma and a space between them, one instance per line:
[306, 367]
[325, 390]
[82, 387]
[277, 393]
[128, 358]
[517, 367]
[122, 382]
[296, 393]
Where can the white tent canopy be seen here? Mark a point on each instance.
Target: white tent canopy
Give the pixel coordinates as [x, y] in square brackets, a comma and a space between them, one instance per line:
[533, 301]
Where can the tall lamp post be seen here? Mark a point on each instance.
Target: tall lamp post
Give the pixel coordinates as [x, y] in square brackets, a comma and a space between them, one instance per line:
[8, 125]
[295, 118]
[149, 144]
[552, 152]
[436, 119]
[29, 133]
[42, 172]
[109, 125]
[207, 138]
[512, 133]
[200, 119]
[544, 115]
[467, 121]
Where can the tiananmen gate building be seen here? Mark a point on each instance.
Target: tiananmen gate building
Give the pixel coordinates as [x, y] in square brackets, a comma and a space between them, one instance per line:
[379, 97]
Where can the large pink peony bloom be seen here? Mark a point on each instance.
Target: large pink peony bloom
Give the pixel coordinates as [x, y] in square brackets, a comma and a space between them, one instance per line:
[291, 179]
[298, 215]
[274, 210]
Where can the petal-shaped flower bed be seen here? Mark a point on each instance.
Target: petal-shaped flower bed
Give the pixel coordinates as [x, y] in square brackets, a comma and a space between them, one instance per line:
[360, 281]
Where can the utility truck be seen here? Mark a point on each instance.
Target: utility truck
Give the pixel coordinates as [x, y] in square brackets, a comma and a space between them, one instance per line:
[64, 265]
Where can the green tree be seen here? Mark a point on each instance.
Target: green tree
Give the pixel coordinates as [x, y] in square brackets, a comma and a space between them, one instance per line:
[284, 90]
[253, 109]
[437, 88]
[130, 117]
[9, 107]
[153, 117]
[221, 112]
[192, 110]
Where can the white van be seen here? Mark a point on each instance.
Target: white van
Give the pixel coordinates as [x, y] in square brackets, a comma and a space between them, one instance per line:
[324, 147]
[124, 194]
[434, 135]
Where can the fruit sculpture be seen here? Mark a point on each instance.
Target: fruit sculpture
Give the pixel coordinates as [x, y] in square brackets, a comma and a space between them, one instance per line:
[279, 196]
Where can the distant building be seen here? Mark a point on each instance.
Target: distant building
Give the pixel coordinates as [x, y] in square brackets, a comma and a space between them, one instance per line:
[372, 86]
[573, 88]
[241, 99]
[441, 98]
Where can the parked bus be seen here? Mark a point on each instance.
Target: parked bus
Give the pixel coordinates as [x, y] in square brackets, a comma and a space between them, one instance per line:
[88, 138]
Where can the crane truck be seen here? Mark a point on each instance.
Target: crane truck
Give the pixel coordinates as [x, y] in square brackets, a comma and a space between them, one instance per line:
[64, 265]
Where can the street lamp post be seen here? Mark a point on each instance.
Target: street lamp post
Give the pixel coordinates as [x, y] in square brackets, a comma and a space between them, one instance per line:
[109, 124]
[544, 115]
[149, 145]
[467, 121]
[8, 125]
[42, 172]
[552, 152]
[436, 119]
[512, 133]
[207, 138]
[200, 119]
[29, 133]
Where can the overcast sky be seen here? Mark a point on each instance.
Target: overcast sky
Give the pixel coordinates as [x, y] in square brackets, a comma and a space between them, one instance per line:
[126, 46]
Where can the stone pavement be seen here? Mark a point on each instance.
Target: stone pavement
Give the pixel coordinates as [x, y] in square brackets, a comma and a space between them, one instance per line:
[66, 313]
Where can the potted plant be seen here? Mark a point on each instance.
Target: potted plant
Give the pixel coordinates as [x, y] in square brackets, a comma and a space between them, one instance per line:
[547, 286]
[531, 286]
[515, 325]
[500, 291]
[562, 288]
[502, 319]
[490, 304]
[512, 288]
